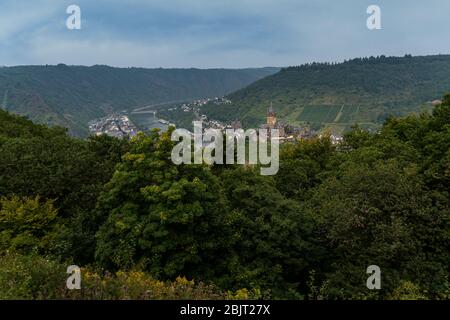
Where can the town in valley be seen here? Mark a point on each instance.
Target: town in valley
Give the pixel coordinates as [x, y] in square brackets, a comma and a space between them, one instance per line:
[120, 125]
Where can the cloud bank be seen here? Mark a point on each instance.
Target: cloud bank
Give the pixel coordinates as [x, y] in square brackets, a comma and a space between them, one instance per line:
[217, 33]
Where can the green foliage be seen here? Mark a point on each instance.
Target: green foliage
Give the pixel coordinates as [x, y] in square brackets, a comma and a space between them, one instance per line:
[30, 277]
[301, 167]
[271, 235]
[408, 291]
[33, 277]
[137, 285]
[165, 218]
[375, 215]
[36, 160]
[27, 225]
[385, 201]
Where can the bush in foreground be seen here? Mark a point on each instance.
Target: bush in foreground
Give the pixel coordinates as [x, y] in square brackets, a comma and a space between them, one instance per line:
[31, 277]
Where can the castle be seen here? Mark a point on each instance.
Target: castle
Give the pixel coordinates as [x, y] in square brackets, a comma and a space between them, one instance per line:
[271, 117]
[272, 122]
[287, 132]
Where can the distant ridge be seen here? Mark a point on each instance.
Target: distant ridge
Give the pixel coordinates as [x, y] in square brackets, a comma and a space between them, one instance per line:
[70, 96]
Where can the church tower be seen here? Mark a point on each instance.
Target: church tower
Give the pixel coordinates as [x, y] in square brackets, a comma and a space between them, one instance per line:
[271, 117]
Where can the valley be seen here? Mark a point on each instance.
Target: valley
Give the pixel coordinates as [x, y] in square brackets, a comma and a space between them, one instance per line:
[71, 96]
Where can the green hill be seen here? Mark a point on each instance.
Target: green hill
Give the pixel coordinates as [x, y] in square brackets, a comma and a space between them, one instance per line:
[70, 96]
[364, 91]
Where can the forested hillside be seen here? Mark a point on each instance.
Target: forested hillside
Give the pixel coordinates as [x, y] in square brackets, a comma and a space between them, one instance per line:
[70, 96]
[143, 228]
[364, 91]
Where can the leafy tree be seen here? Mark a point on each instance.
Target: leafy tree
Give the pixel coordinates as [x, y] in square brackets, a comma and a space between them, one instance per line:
[167, 219]
[36, 160]
[378, 211]
[301, 166]
[28, 225]
[272, 245]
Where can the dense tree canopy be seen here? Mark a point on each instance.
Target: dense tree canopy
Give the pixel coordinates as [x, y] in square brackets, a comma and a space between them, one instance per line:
[170, 220]
[311, 231]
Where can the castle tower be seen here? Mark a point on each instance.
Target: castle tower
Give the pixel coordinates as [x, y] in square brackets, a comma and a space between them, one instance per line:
[271, 117]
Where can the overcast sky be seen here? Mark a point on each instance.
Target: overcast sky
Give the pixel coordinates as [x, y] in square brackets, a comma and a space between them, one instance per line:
[217, 33]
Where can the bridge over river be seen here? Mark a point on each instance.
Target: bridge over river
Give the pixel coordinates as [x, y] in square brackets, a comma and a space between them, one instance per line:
[145, 118]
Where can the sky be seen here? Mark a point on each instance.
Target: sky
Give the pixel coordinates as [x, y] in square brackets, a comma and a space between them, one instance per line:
[217, 33]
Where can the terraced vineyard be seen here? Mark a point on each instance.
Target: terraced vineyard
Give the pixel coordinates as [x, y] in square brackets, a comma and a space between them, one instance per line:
[319, 113]
[338, 118]
[348, 114]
